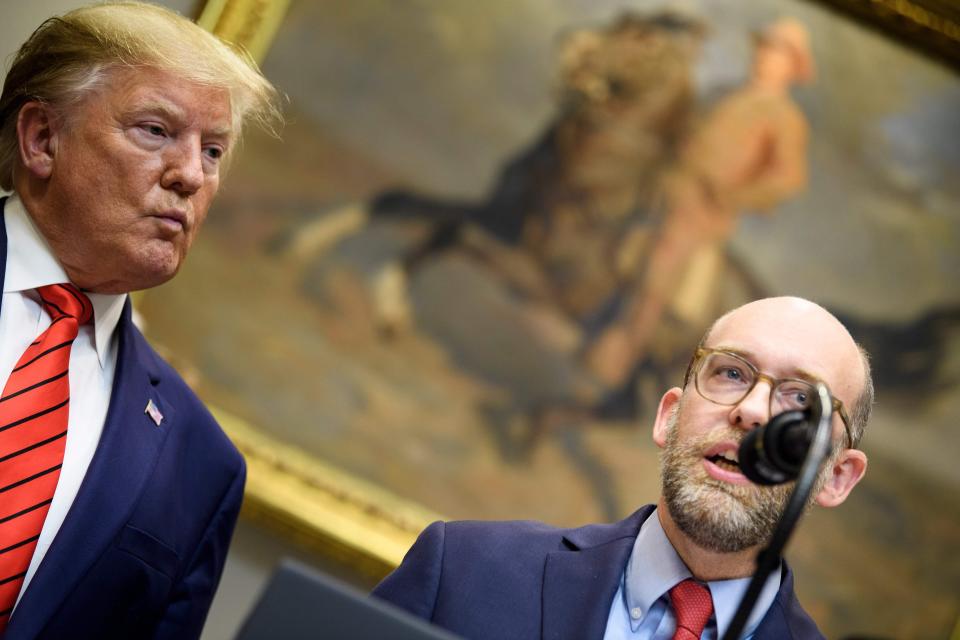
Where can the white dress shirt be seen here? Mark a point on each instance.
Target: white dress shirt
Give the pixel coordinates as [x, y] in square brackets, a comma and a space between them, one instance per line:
[641, 607]
[93, 357]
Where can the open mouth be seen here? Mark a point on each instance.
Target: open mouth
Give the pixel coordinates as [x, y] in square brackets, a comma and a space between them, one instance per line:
[726, 460]
[721, 462]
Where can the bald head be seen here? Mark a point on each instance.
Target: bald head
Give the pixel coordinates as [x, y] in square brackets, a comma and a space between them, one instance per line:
[800, 337]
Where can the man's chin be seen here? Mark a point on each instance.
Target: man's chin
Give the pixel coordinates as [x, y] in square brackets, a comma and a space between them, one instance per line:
[151, 279]
[137, 277]
[720, 516]
[718, 527]
[156, 266]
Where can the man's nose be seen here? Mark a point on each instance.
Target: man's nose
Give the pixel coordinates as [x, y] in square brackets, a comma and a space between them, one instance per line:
[183, 171]
[754, 409]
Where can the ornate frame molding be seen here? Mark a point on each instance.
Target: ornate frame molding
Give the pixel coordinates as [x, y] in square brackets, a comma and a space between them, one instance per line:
[251, 24]
[930, 26]
[323, 508]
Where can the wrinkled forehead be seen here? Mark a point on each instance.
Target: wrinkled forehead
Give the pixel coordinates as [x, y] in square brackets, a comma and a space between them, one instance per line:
[788, 337]
[126, 86]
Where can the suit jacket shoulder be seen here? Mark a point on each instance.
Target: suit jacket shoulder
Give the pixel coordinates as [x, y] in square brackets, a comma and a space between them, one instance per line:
[199, 426]
[512, 579]
[451, 557]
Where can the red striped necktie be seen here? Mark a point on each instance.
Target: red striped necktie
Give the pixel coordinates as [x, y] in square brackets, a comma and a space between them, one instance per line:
[33, 427]
[692, 605]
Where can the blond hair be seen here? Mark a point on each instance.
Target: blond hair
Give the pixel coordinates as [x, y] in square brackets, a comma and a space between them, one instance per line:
[70, 56]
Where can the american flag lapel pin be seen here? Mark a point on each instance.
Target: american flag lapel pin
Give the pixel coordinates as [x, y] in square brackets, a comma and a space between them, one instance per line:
[153, 412]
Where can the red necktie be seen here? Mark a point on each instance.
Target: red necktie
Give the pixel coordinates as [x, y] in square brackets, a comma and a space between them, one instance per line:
[33, 427]
[692, 605]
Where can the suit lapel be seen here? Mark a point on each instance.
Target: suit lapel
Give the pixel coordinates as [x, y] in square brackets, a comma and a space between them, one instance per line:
[123, 462]
[776, 623]
[580, 579]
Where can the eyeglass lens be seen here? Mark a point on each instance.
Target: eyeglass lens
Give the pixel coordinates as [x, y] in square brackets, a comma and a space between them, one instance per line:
[727, 379]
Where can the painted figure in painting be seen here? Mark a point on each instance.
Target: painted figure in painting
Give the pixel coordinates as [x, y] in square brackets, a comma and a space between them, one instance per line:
[748, 155]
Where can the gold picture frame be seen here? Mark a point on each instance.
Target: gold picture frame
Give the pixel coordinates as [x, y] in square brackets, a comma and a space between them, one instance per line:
[322, 508]
[931, 26]
[251, 24]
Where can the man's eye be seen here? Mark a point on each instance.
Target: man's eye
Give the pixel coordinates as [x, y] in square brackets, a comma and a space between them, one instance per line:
[214, 153]
[794, 396]
[730, 373]
[153, 129]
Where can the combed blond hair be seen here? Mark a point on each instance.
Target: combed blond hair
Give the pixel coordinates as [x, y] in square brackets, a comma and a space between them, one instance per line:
[72, 55]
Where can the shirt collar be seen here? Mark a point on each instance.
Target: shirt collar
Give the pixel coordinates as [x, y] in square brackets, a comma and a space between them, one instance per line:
[654, 568]
[31, 264]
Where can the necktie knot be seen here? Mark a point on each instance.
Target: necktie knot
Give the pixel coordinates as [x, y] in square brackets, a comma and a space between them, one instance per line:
[692, 605]
[66, 300]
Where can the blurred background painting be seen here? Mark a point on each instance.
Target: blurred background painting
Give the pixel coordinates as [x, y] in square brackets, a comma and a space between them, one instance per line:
[494, 232]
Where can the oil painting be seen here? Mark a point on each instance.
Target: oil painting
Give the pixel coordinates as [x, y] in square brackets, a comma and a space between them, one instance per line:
[493, 234]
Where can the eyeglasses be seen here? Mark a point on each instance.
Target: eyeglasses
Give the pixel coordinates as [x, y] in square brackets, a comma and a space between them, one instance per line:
[726, 378]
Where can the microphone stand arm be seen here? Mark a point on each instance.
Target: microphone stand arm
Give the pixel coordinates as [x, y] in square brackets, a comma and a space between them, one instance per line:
[768, 560]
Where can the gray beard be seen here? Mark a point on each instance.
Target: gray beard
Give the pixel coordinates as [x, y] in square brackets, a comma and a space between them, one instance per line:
[716, 515]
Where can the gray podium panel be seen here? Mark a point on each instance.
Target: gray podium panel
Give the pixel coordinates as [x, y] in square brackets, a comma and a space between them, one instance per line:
[302, 603]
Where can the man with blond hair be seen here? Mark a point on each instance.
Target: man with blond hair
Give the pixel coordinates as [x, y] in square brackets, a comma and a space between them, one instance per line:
[676, 569]
[118, 491]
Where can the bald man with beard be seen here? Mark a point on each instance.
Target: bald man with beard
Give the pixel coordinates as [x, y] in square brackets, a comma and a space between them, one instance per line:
[676, 569]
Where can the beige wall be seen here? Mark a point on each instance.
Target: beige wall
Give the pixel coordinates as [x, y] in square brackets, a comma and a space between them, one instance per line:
[20, 19]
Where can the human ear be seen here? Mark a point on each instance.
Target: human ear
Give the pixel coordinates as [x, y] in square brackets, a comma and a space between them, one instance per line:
[844, 475]
[36, 135]
[669, 404]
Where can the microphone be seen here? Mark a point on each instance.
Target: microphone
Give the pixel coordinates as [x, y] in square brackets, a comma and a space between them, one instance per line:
[773, 454]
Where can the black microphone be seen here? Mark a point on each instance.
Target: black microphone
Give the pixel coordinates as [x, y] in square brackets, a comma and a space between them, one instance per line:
[770, 455]
[774, 453]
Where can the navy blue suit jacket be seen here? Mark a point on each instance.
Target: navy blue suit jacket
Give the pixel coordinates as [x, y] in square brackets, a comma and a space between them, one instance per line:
[529, 580]
[141, 550]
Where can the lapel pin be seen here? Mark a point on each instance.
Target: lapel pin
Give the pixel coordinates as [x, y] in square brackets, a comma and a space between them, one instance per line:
[153, 412]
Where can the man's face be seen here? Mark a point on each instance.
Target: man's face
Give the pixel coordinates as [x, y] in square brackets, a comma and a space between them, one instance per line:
[706, 496]
[135, 167]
